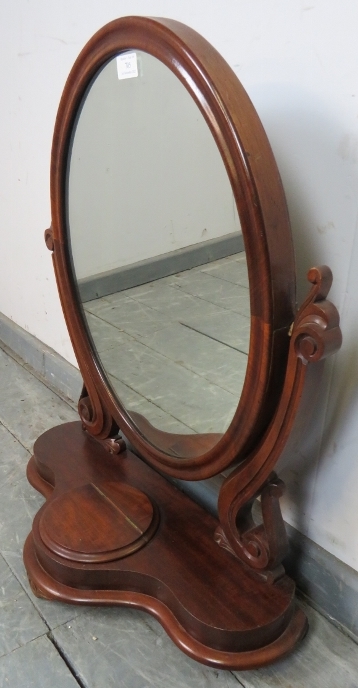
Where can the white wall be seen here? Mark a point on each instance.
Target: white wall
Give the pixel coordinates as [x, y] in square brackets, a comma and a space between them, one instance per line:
[299, 63]
[145, 174]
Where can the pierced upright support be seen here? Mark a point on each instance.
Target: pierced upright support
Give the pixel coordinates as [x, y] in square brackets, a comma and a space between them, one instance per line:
[315, 334]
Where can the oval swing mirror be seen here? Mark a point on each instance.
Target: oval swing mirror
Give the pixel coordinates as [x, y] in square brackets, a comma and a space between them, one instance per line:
[145, 175]
[162, 175]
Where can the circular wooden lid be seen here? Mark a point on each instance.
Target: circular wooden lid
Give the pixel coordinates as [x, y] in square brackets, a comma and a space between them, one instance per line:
[98, 522]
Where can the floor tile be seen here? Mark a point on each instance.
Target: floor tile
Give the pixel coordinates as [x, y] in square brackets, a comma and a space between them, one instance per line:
[222, 293]
[28, 407]
[221, 325]
[105, 335]
[156, 416]
[161, 295]
[53, 613]
[128, 315]
[210, 359]
[122, 647]
[233, 271]
[13, 458]
[325, 659]
[19, 620]
[36, 665]
[171, 387]
[11, 449]
[19, 503]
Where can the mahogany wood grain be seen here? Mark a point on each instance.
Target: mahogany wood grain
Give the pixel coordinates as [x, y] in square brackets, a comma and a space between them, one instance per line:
[206, 599]
[104, 521]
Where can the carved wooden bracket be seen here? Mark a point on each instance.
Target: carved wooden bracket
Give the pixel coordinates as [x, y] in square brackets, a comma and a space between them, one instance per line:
[263, 546]
[109, 437]
[315, 334]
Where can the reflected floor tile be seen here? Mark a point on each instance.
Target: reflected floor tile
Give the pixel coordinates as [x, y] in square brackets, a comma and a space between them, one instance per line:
[122, 647]
[130, 316]
[186, 396]
[212, 360]
[215, 290]
[19, 620]
[104, 334]
[156, 416]
[36, 665]
[141, 319]
[218, 262]
[95, 305]
[232, 271]
[161, 295]
[222, 326]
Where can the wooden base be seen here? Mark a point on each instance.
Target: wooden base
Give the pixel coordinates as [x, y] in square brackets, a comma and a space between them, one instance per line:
[113, 531]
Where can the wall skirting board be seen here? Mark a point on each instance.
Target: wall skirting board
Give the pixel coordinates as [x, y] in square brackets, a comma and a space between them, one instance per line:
[167, 264]
[330, 585]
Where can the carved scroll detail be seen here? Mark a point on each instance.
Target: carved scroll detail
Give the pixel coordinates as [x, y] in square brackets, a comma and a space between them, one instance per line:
[100, 425]
[94, 416]
[315, 334]
[262, 546]
[114, 444]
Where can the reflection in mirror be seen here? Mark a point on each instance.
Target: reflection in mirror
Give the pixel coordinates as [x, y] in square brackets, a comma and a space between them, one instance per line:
[157, 249]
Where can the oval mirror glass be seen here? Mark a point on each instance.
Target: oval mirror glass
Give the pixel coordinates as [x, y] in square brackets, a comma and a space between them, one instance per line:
[157, 250]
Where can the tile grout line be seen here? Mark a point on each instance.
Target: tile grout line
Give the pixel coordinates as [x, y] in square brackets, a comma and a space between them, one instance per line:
[190, 327]
[14, 436]
[3, 554]
[63, 656]
[149, 400]
[49, 632]
[244, 685]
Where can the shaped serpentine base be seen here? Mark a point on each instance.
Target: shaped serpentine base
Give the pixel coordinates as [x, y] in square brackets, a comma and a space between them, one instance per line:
[114, 531]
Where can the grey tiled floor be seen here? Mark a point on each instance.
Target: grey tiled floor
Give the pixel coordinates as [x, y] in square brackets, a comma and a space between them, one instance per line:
[45, 644]
[176, 348]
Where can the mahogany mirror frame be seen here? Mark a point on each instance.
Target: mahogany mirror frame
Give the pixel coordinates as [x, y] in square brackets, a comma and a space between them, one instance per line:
[261, 204]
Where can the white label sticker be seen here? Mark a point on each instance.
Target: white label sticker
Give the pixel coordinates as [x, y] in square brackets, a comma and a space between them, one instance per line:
[127, 66]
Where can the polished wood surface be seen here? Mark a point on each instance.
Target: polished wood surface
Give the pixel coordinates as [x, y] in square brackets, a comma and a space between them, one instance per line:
[203, 596]
[314, 335]
[103, 522]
